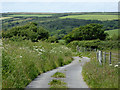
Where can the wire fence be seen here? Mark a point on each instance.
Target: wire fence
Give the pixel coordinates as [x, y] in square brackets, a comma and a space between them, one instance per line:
[102, 57]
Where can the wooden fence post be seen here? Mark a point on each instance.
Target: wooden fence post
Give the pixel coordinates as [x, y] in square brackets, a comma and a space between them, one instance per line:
[84, 49]
[104, 57]
[100, 57]
[77, 48]
[110, 58]
[97, 55]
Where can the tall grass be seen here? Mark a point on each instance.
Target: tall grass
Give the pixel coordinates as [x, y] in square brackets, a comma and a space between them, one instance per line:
[0, 64]
[23, 61]
[100, 76]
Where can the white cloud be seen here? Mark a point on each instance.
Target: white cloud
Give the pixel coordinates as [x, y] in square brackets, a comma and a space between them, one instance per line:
[59, 0]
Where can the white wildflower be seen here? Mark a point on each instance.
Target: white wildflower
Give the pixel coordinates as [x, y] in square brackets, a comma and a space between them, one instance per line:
[110, 64]
[20, 56]
[36, 49]
[61, 52]
[35, 46]
[1, 44]
[116, 66]
[39, 53]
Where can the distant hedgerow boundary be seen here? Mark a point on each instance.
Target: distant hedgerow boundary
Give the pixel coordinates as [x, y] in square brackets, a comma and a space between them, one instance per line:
[98, 44]
[29, 15]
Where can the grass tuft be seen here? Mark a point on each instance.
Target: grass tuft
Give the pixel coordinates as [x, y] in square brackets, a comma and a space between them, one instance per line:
[57, 84]
[59, 75]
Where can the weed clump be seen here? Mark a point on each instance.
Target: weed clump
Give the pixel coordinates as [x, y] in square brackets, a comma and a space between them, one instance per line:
[59, 75]
[57, 84]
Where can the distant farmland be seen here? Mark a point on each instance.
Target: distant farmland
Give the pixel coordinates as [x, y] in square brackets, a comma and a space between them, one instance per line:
[92, 17]
[29, 15]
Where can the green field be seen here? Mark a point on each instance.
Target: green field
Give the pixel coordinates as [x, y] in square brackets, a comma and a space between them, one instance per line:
[112, 32]
[29, 15]
[92, 17]
[1, 18]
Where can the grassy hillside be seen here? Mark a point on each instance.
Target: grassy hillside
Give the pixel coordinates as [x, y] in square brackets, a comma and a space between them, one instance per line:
[57, 26]
[24, 61]
[112, 32]
[92, 17]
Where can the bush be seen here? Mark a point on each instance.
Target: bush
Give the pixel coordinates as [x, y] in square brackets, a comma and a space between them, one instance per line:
[53, 39]
[29, 31]
[88, 32]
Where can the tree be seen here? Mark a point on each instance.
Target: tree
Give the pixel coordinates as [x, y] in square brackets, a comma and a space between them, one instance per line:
[29, 31]
[88, 32]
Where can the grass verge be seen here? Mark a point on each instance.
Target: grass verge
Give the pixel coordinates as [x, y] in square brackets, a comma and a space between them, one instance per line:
[100, 76]
[23, 61]
[0, 64]
[59, 75]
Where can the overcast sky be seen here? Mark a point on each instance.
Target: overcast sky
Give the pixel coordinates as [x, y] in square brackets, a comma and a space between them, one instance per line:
[59, 6]
[59, 0]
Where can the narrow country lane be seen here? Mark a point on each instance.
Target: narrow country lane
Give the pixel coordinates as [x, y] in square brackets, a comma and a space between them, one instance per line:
[73, 73]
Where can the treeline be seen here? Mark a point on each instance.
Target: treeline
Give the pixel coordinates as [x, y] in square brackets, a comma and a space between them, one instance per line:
[61, 27]
[72, 23]
[57, 27]
[34, 32]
